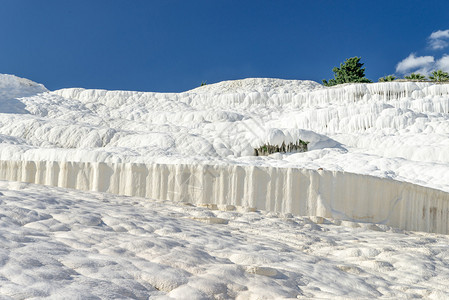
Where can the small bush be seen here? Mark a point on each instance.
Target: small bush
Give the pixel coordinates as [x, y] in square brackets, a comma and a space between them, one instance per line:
[267, 149]
[439, 76]
[387, 78]
[415, 76]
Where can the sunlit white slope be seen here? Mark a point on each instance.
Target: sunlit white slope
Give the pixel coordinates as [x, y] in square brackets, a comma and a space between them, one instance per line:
[396, 129]
[13, 87]
[60, 243]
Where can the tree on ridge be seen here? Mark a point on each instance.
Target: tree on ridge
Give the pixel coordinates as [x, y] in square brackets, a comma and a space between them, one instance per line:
[350, 71]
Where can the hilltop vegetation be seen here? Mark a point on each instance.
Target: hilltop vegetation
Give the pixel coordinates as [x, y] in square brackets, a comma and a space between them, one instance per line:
[351, 71]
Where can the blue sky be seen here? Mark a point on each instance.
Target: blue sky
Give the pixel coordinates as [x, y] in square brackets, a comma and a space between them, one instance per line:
[172, 46]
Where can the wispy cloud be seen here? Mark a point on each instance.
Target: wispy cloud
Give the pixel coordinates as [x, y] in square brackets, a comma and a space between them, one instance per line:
[443, 63]
[426, 64]
[413, 63]
[422, 64]
[439, 39]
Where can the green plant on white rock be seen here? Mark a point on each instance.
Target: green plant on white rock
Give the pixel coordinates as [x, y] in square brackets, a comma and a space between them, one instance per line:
[387, 78]
[439, 76]
[415, 76]
[267, 149]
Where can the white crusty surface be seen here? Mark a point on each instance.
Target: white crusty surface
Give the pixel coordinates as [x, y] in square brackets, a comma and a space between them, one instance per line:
[63, 243]
[397, 130]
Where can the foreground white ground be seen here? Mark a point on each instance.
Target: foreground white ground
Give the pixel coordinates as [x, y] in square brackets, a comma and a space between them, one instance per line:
[57, 243]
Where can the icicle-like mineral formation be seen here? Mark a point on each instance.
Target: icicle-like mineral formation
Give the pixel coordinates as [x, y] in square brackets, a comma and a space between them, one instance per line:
[322, 193]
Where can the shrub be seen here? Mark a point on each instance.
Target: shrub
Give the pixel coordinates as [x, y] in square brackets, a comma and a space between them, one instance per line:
[387, 78]
[350, 71]
[439, 76]
[267, 149]
[415, 76]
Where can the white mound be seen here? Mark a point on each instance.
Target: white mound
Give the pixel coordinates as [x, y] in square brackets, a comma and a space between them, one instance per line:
[260, 85]
[13, 87]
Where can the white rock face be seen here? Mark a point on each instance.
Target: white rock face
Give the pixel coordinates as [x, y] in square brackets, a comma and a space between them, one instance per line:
[13, 87]
[225, 223]
[328, 194]
[392, 130]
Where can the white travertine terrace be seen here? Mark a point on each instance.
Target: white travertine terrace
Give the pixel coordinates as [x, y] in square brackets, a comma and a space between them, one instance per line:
[382, 149]
[330, 194]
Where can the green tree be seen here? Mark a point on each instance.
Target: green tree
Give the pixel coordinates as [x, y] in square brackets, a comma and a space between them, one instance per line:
[415, 76]
[350, 71]
[439, 76]
[387, 78]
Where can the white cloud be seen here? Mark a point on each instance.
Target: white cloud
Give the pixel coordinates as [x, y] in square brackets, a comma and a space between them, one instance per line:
[438, 39]
[438, 44]
[426, 64]
[443, 63]
[440, 34]
[412, 63]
